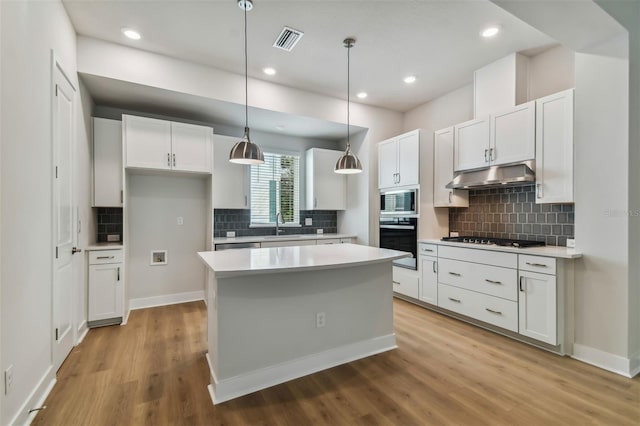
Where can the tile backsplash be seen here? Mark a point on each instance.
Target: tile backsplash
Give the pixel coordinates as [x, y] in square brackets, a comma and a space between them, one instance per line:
[109, 222]
[512, 212]
[238, 220]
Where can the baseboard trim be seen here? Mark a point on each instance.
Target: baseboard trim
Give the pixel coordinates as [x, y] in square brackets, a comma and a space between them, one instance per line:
[607, 361]
[233, 387]
[167, 299]
[82, 332]
[36, 399]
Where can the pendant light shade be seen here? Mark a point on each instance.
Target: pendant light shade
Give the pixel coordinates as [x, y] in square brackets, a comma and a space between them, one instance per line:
[349, 162]
[245, 151]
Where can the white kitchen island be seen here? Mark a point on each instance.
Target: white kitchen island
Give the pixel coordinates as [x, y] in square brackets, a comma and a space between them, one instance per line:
[276, 314]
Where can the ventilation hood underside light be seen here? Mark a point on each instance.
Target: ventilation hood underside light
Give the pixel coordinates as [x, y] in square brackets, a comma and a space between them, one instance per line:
[495, 176]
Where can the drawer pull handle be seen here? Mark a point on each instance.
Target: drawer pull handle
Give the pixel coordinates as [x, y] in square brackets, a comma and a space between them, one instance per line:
[542, 265]
[454, 300]
[492, 282]
[426, 249]
[455, 274]
[105, 257]
[118, 274]
[492, 311]
[520, 283]
[396, 283]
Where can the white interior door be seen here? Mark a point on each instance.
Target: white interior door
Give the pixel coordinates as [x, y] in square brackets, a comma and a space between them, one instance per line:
[63, 217]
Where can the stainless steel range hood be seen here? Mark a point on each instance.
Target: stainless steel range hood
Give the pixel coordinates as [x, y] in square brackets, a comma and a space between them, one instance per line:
[495, 176]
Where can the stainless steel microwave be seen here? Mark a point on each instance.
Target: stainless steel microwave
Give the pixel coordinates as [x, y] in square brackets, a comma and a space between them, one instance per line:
[399, 203]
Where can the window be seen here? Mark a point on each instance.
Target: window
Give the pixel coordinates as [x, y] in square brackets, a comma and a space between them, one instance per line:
[275, 188]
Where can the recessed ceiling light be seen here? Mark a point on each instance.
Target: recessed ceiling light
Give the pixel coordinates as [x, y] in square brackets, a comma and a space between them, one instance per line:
[362, 95]
[132, 34]
[269, 71]
[410, 79]
[490, 31]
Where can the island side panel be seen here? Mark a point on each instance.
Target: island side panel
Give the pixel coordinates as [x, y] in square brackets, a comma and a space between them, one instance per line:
[212, 323]
[266, 321]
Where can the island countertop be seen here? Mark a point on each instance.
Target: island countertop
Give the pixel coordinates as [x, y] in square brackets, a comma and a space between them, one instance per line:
[228, 263]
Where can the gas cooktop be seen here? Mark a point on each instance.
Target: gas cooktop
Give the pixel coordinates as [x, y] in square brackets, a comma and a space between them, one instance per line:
[495, 241]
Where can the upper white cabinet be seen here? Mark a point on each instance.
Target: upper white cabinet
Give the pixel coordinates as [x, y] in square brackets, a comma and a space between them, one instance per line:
[165, 145]
[326, 189]
[399, 161]
[507, 136]
[471, 144]
[443, 172]
[230, 181]
[107, 163]
[500, 84]
[554, 148]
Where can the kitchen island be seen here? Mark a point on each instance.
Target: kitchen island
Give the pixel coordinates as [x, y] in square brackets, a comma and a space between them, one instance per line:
[276, 314]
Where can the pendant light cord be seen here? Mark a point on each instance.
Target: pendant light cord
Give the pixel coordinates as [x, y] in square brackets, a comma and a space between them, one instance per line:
[348, 92]
[246, 75]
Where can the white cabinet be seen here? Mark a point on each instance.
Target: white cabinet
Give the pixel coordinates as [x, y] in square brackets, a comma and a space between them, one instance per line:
[106, 287]
[443, 172]
[554, 148]
[230, 181]
[326, 189]
[165, 145]
[290, 243]
[507, 136]
[107, 163]
[537, 300]
[406, 282]
[347, 241]
[399, 161]
[471, 144]
[428, 274]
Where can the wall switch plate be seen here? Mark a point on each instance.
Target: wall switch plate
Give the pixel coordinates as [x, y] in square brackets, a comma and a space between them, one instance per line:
[180, 220]
[454, 234]
[111, 238]
[571, 242]
[320, 319]
[8, 379]
[231, 234]
[320, 231]
[308, 221]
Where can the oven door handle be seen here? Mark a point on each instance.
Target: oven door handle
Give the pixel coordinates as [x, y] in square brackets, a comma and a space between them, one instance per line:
[397, 227]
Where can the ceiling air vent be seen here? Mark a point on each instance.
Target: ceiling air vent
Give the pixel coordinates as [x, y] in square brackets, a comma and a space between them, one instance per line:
[288, 39]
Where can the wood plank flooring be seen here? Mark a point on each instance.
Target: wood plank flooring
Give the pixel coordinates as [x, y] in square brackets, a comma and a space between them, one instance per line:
[153, 371]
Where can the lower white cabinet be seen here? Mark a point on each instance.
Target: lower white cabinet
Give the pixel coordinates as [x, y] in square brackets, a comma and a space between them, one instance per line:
[406, 282]
[429, 279]
[106, 287]
[537, 303]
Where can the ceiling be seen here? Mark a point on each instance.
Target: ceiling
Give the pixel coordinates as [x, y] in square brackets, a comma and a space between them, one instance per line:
[437, 41]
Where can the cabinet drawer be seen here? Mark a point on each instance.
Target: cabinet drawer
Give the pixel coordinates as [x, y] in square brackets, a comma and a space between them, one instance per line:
[329, 241]
[493, 310]
[492, 280]
[98, 257]
[405, 282]
[544, 265]
[428, 249]
[346, 240]
[488, 257]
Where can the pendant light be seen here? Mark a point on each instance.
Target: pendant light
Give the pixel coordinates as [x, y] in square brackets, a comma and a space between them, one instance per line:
[349, 162]
[245, 151]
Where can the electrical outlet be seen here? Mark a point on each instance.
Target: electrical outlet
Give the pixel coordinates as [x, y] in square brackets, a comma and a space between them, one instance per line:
[180, 220]
[320, 319]
[113, 238]
[571, 242]
[231, 234]
[308, 221]
[454, 234]
[320, 231]
[8, 380]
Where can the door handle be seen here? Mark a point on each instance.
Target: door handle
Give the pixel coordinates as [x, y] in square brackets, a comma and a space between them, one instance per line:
[399, 178]
[520, 283]
[75, 250]
[245, 201]
[491, 157]
[539, 188]
[315, 202]
[450, 194]
[485, 155]
[168, 159]
[118, 274]
[434, 268]
[174, 160]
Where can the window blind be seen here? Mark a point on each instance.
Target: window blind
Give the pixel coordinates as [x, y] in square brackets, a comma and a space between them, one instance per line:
[275, 188]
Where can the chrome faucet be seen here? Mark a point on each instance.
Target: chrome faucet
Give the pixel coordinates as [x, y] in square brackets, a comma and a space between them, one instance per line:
[279, 215]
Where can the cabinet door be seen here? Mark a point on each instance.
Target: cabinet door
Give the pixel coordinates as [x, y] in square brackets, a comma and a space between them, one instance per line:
[147, 142]
[326, 189]
[107, 163]
[471, 142]
[429, 279]
[409, 159]
[554, 148]
[513, 134]
[106, 291]
[443, 172]
[387, 163]
[405, 281]
[537, 307]
[191, 147]
[230, 189]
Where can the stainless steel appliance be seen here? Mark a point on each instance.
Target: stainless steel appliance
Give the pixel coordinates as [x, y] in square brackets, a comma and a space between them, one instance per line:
[400, 233]
[399, 203]
[495, 241]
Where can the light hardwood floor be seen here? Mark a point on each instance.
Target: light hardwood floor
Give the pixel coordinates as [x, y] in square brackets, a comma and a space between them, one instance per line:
[153, 371]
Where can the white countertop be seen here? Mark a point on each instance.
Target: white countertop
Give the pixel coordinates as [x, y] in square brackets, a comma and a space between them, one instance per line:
[294, 237]
[548, 251]
[229, 263]
[104, 246]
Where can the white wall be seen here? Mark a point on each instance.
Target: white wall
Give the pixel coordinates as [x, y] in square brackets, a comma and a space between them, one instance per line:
[155, 203]
[551, 72]
[29, 30]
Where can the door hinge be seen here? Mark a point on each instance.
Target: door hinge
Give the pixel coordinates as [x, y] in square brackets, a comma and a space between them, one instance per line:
[56, 252]
[56, 334]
